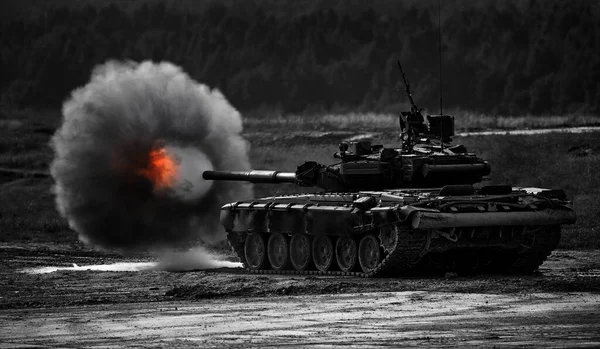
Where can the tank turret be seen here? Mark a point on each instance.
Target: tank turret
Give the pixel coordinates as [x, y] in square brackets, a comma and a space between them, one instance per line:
[374, 167]
[425, 159]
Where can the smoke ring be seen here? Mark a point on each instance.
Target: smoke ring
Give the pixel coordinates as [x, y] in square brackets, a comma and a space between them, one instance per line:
[109, 128]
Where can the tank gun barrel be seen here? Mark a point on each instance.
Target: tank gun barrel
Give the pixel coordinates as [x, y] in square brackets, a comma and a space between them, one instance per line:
[254, 176]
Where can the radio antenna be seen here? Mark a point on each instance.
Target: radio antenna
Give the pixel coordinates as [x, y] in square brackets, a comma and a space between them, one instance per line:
[440, 56]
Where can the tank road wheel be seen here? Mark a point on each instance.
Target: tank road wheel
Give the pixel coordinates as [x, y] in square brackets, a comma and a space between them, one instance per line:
[300, 249]
[345, 253]
[528, 237]
[322, 251]
[369, 254]
[389, 237]
[255, 251]
[278, 251]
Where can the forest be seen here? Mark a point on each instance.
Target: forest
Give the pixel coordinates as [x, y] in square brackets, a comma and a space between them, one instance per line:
[516, 57]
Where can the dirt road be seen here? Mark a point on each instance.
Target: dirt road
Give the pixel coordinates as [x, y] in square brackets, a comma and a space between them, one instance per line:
[559, 306]
[378, 319]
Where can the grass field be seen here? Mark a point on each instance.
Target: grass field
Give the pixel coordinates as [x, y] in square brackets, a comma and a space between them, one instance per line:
[567, 161]
[464, 121]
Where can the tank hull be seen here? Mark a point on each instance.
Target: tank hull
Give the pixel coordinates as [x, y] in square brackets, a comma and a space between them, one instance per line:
[397, 232]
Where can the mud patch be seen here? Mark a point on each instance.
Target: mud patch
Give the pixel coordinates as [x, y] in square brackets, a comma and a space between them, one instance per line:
[564, 272]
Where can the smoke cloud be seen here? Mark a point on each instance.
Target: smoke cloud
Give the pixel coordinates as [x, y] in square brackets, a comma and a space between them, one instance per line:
[130, 153]
[194, 259]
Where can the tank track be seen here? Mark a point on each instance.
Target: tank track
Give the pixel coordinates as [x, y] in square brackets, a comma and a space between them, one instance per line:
[523, 253]
[542, 246]
[403, 254]
[411, 246]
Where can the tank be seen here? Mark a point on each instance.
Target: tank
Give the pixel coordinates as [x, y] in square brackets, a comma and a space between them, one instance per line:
[411, 209]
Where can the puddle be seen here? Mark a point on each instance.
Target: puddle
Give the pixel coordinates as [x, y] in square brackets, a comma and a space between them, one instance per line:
[139, 266]
[132, 266]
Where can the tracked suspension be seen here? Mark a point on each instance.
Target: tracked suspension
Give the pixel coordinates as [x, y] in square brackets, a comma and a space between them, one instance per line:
[407, 250]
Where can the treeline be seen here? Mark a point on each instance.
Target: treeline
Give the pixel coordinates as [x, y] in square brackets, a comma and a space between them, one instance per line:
[517, 57]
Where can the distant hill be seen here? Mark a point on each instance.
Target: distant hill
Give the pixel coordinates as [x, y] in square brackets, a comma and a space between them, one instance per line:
[505, 57]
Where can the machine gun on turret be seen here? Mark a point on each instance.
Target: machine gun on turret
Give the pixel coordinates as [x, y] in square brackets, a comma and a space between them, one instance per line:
[412, 123]
[413, 106]
[414, 128]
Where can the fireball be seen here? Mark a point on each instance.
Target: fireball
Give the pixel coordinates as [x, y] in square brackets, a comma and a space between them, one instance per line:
[161, 169]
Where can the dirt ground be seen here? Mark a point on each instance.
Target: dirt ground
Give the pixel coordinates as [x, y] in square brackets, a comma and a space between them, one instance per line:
[558, 306]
